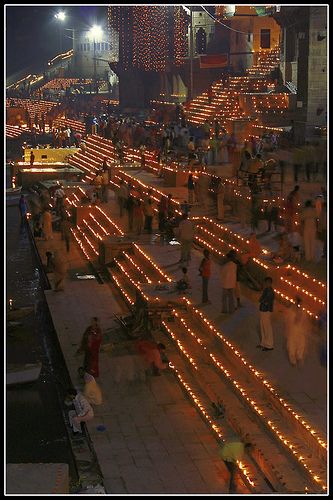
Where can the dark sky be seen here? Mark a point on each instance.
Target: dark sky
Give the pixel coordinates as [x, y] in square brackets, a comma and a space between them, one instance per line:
[32, 33]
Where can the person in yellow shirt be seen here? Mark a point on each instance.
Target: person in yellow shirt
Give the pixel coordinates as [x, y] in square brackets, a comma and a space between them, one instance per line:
[232, 451]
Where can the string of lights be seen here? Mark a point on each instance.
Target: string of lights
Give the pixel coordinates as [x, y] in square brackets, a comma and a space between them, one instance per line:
[180, 35]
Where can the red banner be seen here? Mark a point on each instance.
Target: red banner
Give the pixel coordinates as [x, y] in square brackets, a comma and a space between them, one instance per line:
[214, 61]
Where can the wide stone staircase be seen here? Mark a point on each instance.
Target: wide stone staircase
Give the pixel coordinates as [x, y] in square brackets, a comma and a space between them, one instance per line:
[225, 103]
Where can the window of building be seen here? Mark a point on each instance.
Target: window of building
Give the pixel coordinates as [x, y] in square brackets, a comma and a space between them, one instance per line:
[88, 47]
[85, 47]
[98, 46]
[81, 47]
[249, 37]
[265, 39]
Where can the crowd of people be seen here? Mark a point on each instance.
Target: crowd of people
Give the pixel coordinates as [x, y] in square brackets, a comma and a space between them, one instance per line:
[205, 144]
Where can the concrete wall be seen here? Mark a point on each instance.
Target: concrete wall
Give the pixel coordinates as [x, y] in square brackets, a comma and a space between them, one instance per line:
[265, 22]
[241, 46]
[317, 70]
[82, 64]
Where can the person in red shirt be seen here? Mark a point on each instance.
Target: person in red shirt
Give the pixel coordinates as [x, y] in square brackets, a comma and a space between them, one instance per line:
[205, 273]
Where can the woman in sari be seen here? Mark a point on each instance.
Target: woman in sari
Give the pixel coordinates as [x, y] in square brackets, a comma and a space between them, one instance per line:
[90, 345]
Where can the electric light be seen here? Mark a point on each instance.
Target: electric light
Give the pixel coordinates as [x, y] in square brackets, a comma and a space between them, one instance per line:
[95, 33]
[61, 16]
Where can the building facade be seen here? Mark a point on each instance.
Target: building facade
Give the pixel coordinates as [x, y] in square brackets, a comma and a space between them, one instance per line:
[304, 63]
[250, 33]
[92, 56]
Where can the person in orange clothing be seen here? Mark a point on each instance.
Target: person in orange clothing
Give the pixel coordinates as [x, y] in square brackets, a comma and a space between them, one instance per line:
[152, 354]
[254, 249]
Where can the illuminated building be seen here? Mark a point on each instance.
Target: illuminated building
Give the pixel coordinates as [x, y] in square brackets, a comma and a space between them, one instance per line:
[152, 45]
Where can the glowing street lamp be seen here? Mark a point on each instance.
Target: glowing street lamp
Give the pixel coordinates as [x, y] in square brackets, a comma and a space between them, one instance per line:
[95, 32]
[61, 16]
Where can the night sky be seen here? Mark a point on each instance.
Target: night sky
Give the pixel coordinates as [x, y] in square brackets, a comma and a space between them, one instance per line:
[32, 33]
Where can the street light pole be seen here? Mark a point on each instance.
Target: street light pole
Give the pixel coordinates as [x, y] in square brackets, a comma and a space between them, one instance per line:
[191, 55]
[60, 39]
[95, 83]
[95, 32]
[60, 16]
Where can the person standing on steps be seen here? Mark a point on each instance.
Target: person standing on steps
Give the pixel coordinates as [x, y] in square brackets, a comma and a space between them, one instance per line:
[309, 226]
[240, 266]
[122, 196]
[205, 273]
[65, 226]
[298, 328]
[59, 196]
[186, 236]
[149, 214]
[220, 200]
[105, 184]
[190, 188]
[32, 158]
[47, 225]
[138, 216]
[266, 302]
[228, 282]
